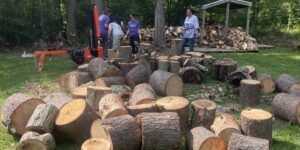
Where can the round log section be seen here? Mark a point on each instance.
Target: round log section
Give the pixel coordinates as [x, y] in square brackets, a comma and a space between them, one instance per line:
[191, 75]
[286, 83]
[43, 118]
[234, 79]
[174, 67]
[267, 83]
[287, 107]
[142, 94]
[123, 91]
[146, 48]
[96, 144]
[122, 132]
[166, 84]
[176, 104]
[257, 123]
[111, 105]
[204, 112]
[36, 141]
[125, 54]
[175, 47]
[223, 68]
[57, 99]
[241, 142]
[109, 81]
[201, 138]
[137, 76]
[79, 93]
[75, 120]
[135, 110]
[126, 67]
[163, 129]
[74, 79]
[224, 126]
[163, 64]
[250, 92]
[17, 110]
[94, 95]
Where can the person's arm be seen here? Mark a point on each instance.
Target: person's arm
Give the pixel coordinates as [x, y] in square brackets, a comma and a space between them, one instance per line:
[109, 31]
[127, 33]
[106, 25]
[196, 26]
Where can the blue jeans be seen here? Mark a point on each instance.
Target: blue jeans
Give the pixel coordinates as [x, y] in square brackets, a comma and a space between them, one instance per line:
[191, 44]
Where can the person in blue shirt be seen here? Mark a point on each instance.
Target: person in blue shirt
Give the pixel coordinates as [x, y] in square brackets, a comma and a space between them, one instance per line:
[134, 33]
[104, 21]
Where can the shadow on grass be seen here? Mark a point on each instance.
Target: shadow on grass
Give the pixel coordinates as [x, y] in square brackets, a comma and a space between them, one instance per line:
[284, 145]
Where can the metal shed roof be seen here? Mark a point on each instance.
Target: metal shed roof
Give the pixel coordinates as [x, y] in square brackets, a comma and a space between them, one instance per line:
[234, 4]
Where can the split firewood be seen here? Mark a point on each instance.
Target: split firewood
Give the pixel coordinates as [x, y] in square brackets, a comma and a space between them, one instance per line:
[267, 83]
[17, 110]
[111, 105]
[123, 91]
[286, 83]
[36, 141]
[238, 141]
[295, 92]
[250, 92]
[223, 68]
[191, 75]
[81, 92]
[204, 112]
[142, 94]
[94, 94]
[125, 54]
[194, 63]
[135, 110]
[57, 99]
[137, 76]
[96, 144]
[109, 81]
[101, 68]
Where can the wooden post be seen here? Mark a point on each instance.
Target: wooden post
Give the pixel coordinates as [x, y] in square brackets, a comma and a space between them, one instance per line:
[227, 17]
[203, 23]
[248, 20]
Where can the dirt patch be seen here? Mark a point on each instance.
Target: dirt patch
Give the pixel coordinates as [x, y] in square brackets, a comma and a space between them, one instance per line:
[40, 90]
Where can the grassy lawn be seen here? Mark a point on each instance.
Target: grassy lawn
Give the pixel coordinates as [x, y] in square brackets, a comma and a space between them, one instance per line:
[15, 72]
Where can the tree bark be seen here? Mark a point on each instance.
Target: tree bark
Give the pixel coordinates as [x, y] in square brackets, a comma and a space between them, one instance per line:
[126, 67]
[110, 81]
[174, 67]
[267, 83]
[250, 92]
[94, 95]
[159, 32]
[135, 110]
[101, 68]
[123, 91]
[223, 68]
[238, 141]
[137, 76]
[142, 94]
[36, 141]
[234, 79]
[111, 106]
[125, 54]
[57, 99]
[203, 113]
[191, 75]
[286, 83]
[175, 47]
[163, 64]
[96, 144]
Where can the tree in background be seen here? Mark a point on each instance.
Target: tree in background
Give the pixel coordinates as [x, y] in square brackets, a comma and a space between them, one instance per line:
[159, 32]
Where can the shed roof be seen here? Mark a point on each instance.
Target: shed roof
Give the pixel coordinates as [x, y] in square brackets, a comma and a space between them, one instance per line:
[234, 4]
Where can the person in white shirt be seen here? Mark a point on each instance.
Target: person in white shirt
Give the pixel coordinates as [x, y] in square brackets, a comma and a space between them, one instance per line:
[191, 27]
[115, 30]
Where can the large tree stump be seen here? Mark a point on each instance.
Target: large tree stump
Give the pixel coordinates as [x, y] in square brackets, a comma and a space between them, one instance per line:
[109, 81]
[123, 132]
[142, 94]
[166, 84]
[123, 91]
[42, 119]
[136, 76]
[175, 47]
[250, 92]
[17, 110]
[74, 79]
[111, 105]
[57, 99]
[163, 64]
[286, 83]
[267, 83]
[224, 126]
[101, 68]
[126, 67]
[135, 110]
[174, 67]
[94, 95]
[201, 138]
[191, 75]
[257, 123]
[287, 107]
[36, 141]
[75, 119]
[241, 142]
[163, 129]
[223, 68]
[125, 54]
[176, 104]
[96, 144]
[204, 112]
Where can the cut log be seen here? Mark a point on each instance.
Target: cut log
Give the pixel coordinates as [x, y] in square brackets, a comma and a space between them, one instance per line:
[241, 142]
[166, 84]
[72, 80]
[42, 119]
[101, 68]
[136, 76]
[224, 126]
[175, 47]
[79, 93]
[204, 112]
[123, 132]
[201, 138]
[125, 54]
[57, 99]
[163, 129]
[174, 67]
[234, 79]
[36, 141]
[252, 71]
[194, 54]
[223, 68]
[287, 107]
[142, 94]
[176, 104]
[100, 82]
[143, 108]
[112, 54]
[196, 64]
[257, 123]
[96, 144]
[250, 92]
[94, 95]
[83, 68]
[191, 75]
[267, 83]
[109, 81]
[75, 119]
[286, 83]
[146, 48]
[123, 91]
[126, 67]
[16, 112]
[295, 92]
[111, 105]
[163, 64]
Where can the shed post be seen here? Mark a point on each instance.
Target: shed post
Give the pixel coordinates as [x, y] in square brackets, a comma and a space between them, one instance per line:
[227, 18]
[248, 20]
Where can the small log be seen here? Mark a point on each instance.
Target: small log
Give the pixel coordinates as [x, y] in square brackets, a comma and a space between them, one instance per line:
[112, 54]
[126, 67]
[224, 126]
[109, 81]
[57, 99]
[122, 132]
[191, 75]
[287, 107]
[72, 80]
[125, 54]
[111, 105]
[204, 112]
[175, 47]
[142, 94]
[223, 68]
[101, 68]
[295, 92]
[163, 64]
[36, 141]
[176, 104]
[194, 63]
[267, 83]
[241, 142]
[143, 108]
[286, 83]
[83, 68]
[137, 76]
[174, 67]
[42, 119]
[94, 95]
[16, 112]
[234, 79]
[201, 138]
[194, 54]
[257, 123]
[158, 126]
[79, 93]
[166, 84]
[75, 119]
[250, 92]
[123, 91]
[96, 144]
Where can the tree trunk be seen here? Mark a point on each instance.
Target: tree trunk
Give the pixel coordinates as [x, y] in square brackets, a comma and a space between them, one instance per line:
[267, 83]
[57, 99]
[286, 83]
[223, 68]
[250, 92]
[174, 67]
[191, 75]
[202, 139]
[142, 94]
[94, 94]
[163, 64]
[204, 112]
[175, 47]
[143, 108]
[158, 126]
[96, 144]
[166, 84]
[125, 54]
[159, 32]
[110, 81]
[75, 119]
[137, 76]
[257, 123]
[36, 141]
[17, 110]
[111, 106]
[100, 68]
[123, 91]
[126, 67]
[238, 141]
[71, 20]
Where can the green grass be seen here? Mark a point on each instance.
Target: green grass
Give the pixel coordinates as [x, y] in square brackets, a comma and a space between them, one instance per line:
[15, 71]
